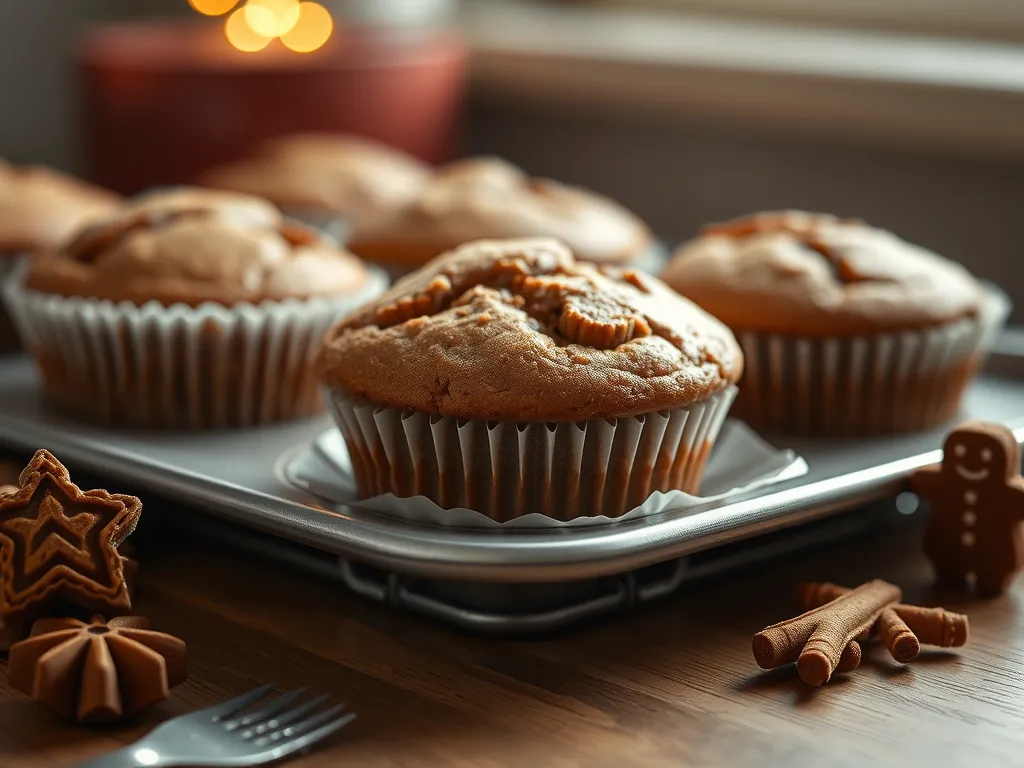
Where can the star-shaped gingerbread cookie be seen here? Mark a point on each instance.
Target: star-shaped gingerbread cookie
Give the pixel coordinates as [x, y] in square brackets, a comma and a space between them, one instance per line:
[57, 541]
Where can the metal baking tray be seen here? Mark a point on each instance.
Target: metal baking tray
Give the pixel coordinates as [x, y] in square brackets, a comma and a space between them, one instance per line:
[498, 580]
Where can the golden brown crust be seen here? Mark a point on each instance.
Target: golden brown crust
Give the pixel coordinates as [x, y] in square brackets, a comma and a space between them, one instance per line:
[353, 177]
[816, 275]
[192, 246]
[486, 197]
[519, 330]
[40, 208]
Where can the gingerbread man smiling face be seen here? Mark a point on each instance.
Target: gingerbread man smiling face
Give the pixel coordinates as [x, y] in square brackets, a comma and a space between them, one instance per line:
[977, 497]
[975, 456]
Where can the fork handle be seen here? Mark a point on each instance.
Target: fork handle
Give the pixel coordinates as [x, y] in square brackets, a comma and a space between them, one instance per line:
[122, 758]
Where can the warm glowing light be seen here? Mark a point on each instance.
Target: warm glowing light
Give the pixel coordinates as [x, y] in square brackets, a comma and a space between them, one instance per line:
[312, 30]
[241, 35]
[213, 7]
[272, 18]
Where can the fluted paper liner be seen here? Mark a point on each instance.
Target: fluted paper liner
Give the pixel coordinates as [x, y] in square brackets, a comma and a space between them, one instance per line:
[898, 382]
[505, 469]
[740, 463]
[178, 366]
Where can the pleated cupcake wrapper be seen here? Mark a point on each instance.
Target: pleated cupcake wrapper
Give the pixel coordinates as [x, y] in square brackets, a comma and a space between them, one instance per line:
[866, 385]
[507, 469]
[740, 462]
[178, 366]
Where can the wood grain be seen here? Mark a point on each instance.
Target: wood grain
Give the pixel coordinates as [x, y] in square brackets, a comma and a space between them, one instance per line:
[669, 685]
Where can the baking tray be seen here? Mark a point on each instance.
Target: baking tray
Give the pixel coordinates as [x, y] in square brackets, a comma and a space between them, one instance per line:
[521, 581]
[529, 609]
[237, 475]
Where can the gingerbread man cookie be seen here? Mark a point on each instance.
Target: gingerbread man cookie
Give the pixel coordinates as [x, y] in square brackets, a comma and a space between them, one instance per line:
[977, 497]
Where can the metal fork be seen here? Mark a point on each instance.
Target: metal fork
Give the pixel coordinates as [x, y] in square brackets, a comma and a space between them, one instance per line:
[222, 736]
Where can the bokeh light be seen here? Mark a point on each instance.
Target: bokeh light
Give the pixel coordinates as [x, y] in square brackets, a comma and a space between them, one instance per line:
[213, 7]
[300, 25]
[272, 18]
[312, 29]
[241, 35]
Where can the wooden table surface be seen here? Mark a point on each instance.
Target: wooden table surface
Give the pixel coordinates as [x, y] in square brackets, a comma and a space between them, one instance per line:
[671, 684]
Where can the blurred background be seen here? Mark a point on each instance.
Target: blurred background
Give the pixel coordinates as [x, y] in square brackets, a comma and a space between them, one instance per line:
[907, 113]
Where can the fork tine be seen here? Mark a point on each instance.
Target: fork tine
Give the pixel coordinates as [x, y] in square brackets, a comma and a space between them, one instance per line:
[299, 712]
[265, 712]
[285, 748]
[280, 721]
[237, 704]
[314, 721]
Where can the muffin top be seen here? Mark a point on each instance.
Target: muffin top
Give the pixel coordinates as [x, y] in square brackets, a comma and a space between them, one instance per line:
[353, 177]
[518, 329]
[486, 197]
[40, 208]
[811, 274]
[192, 246]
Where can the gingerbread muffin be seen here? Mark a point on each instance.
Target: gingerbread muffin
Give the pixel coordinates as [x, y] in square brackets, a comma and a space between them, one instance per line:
[186, 309]
[39, 209]
[326, 180]
[486, 197]
[846, 329]
[508, 378]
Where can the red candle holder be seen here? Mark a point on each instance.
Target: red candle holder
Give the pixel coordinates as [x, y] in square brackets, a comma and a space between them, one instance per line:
[164, 101]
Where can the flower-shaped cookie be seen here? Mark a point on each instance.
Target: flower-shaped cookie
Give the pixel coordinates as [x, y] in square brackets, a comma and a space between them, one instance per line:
[97, 672]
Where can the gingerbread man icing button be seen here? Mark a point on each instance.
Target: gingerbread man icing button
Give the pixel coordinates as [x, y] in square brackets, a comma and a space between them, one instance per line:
[977, 498]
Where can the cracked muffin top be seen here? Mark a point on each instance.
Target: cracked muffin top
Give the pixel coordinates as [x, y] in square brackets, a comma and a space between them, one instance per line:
[519, 330]
[40, 208]
[811, 274]
[350, 176]
[191, 246]
[486, 197]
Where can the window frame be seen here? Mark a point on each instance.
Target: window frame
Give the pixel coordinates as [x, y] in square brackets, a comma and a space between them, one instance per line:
[993, 19]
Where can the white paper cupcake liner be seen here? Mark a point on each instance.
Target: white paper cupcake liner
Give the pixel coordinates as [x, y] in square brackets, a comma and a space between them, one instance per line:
[740, 462]
[178, 367]
[506, 469]
[897, 382]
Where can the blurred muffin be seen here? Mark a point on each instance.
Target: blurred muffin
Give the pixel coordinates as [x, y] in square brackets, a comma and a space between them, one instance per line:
[186, 308]
[325, 180]
[508, 378]
[486, 197]
[39, 209]
[846, 329]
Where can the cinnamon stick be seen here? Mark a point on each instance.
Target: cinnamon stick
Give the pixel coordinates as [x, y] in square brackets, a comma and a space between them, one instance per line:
[823, 638]
[903, 628]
